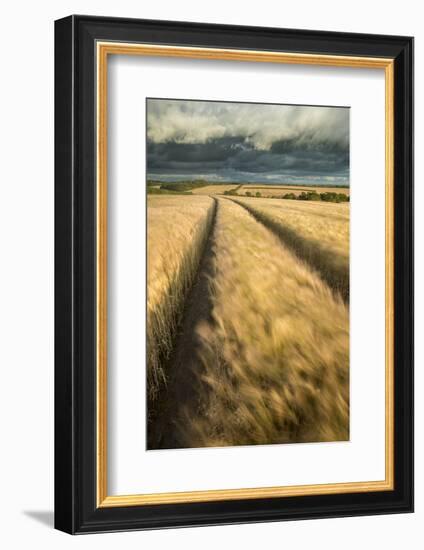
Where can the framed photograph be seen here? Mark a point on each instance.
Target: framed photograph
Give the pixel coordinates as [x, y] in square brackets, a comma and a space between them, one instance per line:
[234, 274]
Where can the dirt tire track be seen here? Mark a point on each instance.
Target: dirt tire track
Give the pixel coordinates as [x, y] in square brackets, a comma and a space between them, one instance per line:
[164, 430]
[316, 258]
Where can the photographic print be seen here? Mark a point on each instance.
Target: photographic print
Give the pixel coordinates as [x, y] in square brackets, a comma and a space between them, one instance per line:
[248, 274]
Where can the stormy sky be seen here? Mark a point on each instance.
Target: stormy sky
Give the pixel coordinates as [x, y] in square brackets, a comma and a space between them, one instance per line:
[245, 142]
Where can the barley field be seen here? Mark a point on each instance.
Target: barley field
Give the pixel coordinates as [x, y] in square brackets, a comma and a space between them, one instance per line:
[214, 189]
[280, 190]
[339, 211]
[259, 352]
[176, 234]
[275, 357]
[316, 232]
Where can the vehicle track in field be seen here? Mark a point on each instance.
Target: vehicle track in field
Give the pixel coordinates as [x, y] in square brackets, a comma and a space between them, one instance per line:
[318, 259]
[184, 399]
[180, 400]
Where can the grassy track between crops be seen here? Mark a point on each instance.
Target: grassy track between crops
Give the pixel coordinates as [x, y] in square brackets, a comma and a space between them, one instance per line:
[178, 228]
[167, 428]
[323, 243]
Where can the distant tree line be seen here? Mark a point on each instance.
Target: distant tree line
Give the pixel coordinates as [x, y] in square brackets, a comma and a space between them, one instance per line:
[160, 191]
[232, 191]
[182, 188]
[304, 196]
[155, 187]
[314, 196]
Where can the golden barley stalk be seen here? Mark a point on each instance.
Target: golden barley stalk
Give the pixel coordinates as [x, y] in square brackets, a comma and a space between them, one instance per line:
[178, 227]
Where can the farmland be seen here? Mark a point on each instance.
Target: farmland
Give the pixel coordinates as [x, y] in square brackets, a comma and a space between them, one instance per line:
[320, 235]
[214, 189]
[248, 320]
[172, 266]
[281, 190]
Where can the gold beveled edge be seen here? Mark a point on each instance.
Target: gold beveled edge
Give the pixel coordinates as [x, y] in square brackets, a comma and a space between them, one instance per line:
[122, 48]
[244, 494]
[117, 48]
[101, 290]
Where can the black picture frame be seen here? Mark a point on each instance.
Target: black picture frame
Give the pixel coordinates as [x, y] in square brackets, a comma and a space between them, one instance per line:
[76, 510]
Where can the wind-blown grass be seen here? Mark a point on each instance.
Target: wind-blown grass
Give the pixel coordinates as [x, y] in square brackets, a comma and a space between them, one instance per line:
[318, 234]
[275, 357]
[178, 228]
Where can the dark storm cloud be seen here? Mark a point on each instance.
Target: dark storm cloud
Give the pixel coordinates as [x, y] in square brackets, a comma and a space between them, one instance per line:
[247, 142]
[216, 150]
[309, 145]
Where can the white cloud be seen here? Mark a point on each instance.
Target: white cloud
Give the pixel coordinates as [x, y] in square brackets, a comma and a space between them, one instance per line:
[260, 125]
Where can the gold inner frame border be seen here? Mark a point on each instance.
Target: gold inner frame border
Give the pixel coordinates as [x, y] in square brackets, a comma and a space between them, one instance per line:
[103, 50]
